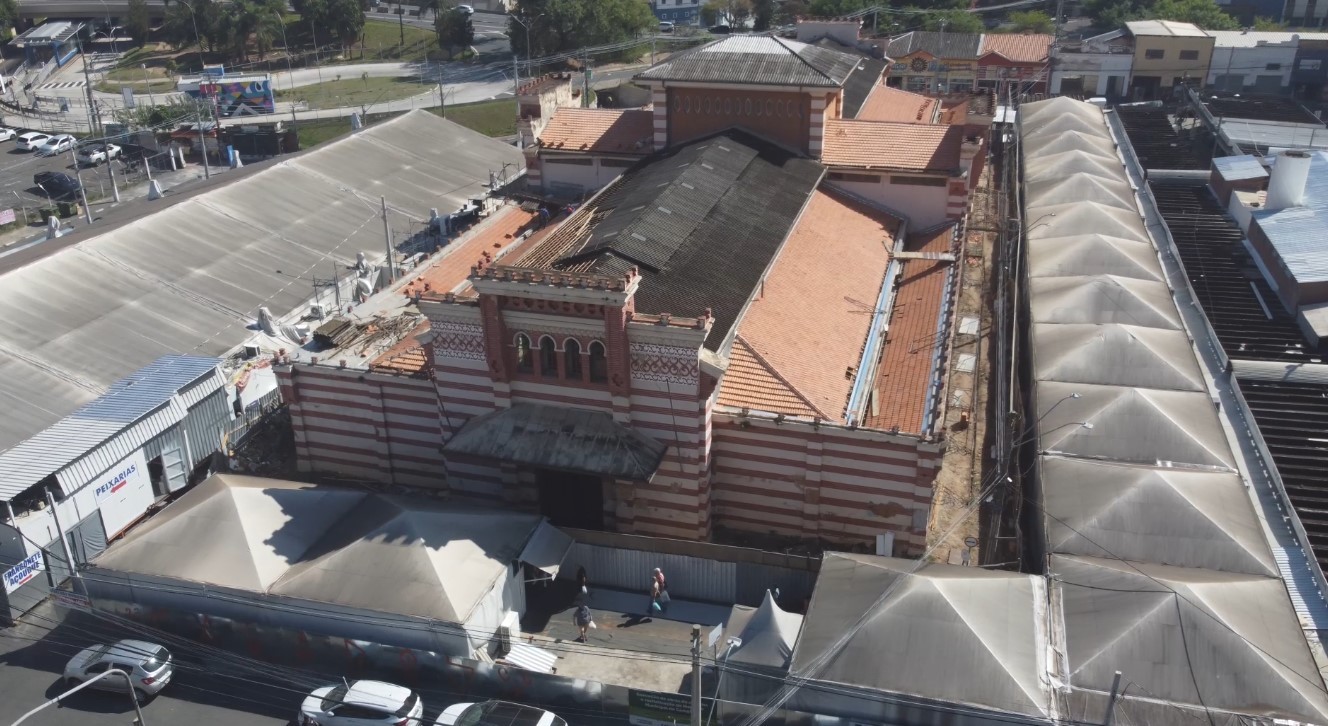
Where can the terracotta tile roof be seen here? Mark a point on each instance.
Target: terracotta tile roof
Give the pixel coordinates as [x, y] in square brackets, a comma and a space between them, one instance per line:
[1018, 47]
[904, 376]
[407, 356]
[892, 104]
[809, 325]
[600, 131]
[886, 145]
[496, 233]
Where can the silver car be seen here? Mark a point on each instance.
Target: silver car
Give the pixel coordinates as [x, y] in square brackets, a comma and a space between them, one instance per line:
[56, 145]
[362, 703]
[149, 667]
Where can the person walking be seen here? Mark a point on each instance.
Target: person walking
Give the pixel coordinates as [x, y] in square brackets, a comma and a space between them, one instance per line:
[659, 589]
[584, 620]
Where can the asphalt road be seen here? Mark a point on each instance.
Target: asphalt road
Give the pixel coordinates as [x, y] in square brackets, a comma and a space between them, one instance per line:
[18, 167]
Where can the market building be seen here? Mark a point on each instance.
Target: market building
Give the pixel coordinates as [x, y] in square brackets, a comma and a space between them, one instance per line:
[930, 62]
[1014, 64]
[1167, 54]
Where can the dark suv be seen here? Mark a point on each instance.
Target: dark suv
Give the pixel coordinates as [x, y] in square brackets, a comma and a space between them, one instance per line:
[56, 183]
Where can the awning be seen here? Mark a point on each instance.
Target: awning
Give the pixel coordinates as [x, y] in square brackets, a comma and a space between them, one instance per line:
[547, 549]
[565, 439]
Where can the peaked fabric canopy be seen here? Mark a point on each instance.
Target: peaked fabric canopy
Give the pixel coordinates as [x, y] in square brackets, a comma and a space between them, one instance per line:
[1067, 218]
[1047, 142]
[1115, 355]
[1063, 164]
[1103, 299]
[1136, 425]
[767, 634]
[943, 626]
[1076, 189]
[1213, 639]
[1169, 516]
[1060, 109]
[1088, 255]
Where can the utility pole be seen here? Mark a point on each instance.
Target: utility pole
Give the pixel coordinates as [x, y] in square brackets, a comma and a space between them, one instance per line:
[319, 284]
[387, 236]
[1111, 700]
[64, 541]
[442, 99]
[936, 82]
[516, 75]
[93, 119]
[83, 193]
[336, 283]
[110, 172]
[696, 675]
[401, 22]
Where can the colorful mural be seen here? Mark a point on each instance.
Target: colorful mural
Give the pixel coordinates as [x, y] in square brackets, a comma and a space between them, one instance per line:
[239, 98]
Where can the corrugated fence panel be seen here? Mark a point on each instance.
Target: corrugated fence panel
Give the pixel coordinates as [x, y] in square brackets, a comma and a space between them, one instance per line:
[753, 581]
[689, 578]
[205, 423]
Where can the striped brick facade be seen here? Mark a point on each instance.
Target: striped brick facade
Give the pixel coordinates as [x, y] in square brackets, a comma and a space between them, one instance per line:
[735, 470]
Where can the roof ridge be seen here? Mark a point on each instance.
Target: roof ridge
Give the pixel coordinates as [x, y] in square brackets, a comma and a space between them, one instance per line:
[773, 372]
[806, 62]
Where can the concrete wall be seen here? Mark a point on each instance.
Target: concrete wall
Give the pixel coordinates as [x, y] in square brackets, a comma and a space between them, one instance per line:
[1096, 69]
[925, 206]
[1171, 66]
[576, 175]
[1240, 69]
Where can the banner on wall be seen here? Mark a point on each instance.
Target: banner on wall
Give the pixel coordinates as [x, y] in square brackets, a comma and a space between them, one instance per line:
[19, 575]
[123, 493]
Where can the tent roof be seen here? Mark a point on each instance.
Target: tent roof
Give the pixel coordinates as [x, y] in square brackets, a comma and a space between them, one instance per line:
[1225, 641]
[1052, 111]
[1084, 217]
[1050, 142]
[1137, 425]
[1169, 516]
[1110, 191]
[960, 634]
[1054, 163]
[327, 544]
[1087, 255]
[768, 633]
[1103, 299]
[1115, 355]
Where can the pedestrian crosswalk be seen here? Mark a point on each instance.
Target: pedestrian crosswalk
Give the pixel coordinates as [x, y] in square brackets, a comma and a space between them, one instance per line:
[63, 84]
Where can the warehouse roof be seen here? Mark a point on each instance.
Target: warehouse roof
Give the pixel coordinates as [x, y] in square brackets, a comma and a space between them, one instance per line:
[757, 59]
[190, 276]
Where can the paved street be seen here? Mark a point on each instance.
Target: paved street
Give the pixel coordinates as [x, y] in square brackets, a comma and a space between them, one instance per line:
[210, 688]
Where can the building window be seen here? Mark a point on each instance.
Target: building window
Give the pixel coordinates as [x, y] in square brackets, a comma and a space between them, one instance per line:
[525, 362]
[1273, 67]
[572, 359]
[1189, 55]
[1155, 54]
[617, 163]
[1309, 64]
[918, 181]
[599, 364]
[548, 357]
[860, 178]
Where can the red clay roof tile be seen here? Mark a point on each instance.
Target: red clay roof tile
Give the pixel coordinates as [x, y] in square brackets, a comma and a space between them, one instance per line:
[600, 131]
[891, 146]
[1017, 47]
[892, 104]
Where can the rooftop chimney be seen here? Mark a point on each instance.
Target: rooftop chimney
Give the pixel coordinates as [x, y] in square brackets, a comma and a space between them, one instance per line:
[1286, 187]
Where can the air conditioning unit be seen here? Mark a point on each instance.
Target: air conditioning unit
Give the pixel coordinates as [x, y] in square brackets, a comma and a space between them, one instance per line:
[317, 310]
[507, 631]
[251, 351]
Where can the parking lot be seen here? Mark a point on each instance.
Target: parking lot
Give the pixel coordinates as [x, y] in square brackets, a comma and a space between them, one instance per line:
[18, 167]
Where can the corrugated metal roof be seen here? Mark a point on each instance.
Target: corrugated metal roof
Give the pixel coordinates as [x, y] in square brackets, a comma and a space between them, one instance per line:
[1252, 39]
[1297, 233]
[757, 59]
[1169, 28]
[938, 45]
[106, 430]
[1235, 168]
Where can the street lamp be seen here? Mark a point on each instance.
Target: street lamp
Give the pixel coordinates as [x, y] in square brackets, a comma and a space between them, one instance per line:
[290, 74]
[151, 97]
[202, 136]
[526, 24]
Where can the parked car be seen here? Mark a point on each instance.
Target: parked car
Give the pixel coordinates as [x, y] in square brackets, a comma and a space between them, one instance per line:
[56, 183]
[720, 29]
[149, 666]
[97, 154]
[7, 134]
[361, 703]
[665, 26]
[56, 145]
[496, 713]
[465, 9]
[31, 140]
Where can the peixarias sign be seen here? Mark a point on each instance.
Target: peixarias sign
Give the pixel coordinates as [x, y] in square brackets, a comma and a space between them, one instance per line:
[116, 482]
[19, 575]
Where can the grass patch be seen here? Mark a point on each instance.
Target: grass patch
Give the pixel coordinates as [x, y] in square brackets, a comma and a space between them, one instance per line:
[156, 85]
[313, 133]
[491, 118]
[353, 91]
[382, 41]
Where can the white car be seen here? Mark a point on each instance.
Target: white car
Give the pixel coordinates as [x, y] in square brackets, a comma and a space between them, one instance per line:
[32, 140]
[56, 145]
[7, 134]
[360, 704]
[149, 667]
[466, 9]
[493, 713]
[97, 154]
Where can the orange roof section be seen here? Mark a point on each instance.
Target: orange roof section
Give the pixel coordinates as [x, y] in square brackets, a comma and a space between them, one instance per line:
[407, 356]
[1020, 48]
[891, 146]
[892, 104]
[600, 131]
[801, 340]
[905, 373]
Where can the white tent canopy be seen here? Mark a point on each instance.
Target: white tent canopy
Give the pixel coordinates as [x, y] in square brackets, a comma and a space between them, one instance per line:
[1103, 299]
[766, 634]
[1091, 255]
[1115, 355]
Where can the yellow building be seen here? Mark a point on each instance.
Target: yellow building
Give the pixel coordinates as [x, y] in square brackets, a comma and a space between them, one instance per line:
[1167, 54]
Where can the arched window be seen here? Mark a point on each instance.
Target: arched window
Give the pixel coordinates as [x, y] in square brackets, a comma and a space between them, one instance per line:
[525, 360]
[548, 357]
[599, 365]
[572, 359]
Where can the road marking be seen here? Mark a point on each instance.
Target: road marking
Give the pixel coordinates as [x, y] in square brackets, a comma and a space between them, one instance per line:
[65, 84]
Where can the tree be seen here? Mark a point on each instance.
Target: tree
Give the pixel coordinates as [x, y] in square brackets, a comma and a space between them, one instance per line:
[1268, 25]
[346, 19]
[835, 8]
[138, 20]
[711, 12]
[8, 13]
[1032, 21]
[204, 18]
[455, 30]
[1203, 13]
[562, 25]
[788, 12]
[953, 21]
[763, 14]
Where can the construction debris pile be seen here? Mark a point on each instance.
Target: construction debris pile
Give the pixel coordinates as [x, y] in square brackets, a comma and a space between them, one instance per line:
[364, 338]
